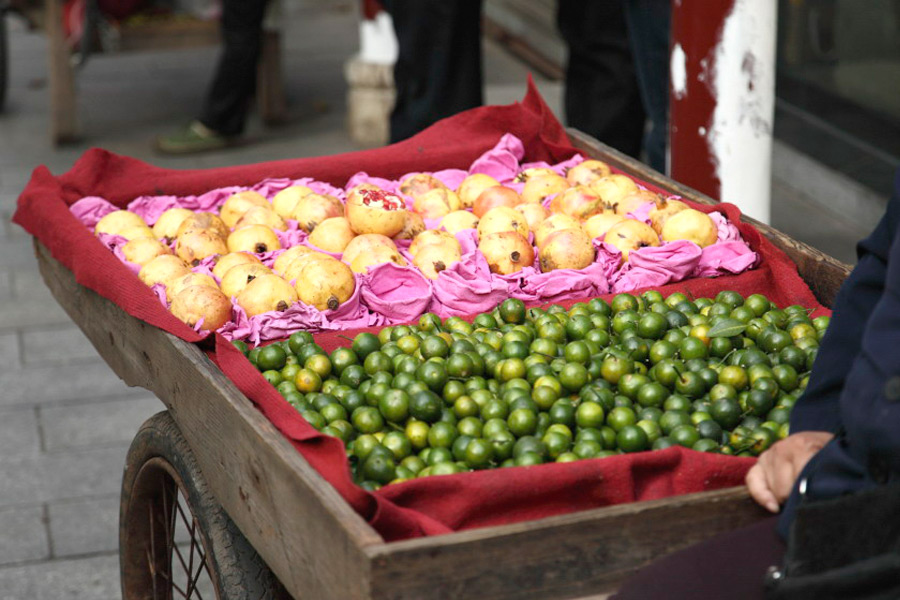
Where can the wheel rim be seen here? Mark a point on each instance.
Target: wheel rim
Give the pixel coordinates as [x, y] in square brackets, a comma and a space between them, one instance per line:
[165, 555]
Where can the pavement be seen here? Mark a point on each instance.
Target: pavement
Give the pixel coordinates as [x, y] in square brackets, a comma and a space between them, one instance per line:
[65, 419]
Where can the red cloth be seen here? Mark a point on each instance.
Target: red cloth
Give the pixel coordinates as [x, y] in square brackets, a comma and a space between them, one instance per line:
[423, 506]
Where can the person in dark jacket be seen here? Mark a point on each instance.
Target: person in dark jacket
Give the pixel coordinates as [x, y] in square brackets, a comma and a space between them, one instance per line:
[835, 479]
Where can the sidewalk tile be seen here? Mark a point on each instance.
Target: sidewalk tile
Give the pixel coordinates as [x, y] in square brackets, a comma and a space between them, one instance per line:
[24, 535]
[96, 424]
[85, 526]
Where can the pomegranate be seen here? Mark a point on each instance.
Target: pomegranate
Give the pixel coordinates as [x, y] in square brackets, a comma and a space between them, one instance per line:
[260, 215]
[314, 208]
[237, 204]
[631, 202]
[162, 268]
[502, 218]
[629, 235]
[579, 202]
[288, 256]
[293, 270]
[587, 172]
[529, 174]
[137, 232]
[538, 188]
[566, 249]
[194, 246]
[506, 252]
[436, 203]
[420, 184]
[432, 260]
[253, 238]
[366, 243]
[472, 186]
[665, 208]
[613, 188]
[166, 226]
[118, 221]
[376, 211]
[143, 250]
[376, 256]
[332, 235]
[238, 276]
[325, 284]
[432, 236]
[598, 225]
[493, 197]
[284, 202]
[553, 223]
[180, 282]
[266, 293]
[459, 220]
[534, 214]
[232, 259]
[202, 302]
[691, 225]
[413, 226]
[203, 220]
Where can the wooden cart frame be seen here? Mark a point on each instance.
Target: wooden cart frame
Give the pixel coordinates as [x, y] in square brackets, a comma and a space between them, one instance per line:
[320, 548]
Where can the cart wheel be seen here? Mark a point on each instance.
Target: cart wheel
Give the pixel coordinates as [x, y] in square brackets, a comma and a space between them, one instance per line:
[175, 540]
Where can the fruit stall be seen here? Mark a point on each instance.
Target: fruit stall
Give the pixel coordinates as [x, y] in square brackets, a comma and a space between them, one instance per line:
[496, 402]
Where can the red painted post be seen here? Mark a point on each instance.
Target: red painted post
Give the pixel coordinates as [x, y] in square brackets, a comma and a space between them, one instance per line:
[722, 98]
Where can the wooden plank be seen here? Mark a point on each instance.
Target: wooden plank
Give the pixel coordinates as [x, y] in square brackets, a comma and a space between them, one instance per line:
[298, 523]
[566, 556]
[63, 107]
[821, 272]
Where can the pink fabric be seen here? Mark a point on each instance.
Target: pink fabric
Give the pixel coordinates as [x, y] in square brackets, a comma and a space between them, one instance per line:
[90, 209]
[399, 294]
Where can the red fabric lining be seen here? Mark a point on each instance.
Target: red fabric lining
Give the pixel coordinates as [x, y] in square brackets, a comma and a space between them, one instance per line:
[424, 506]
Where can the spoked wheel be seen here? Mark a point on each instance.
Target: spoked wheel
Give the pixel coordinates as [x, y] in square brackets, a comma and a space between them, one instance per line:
[175, 540]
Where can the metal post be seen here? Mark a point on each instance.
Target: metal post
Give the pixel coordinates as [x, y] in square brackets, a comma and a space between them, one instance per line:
[722, 99]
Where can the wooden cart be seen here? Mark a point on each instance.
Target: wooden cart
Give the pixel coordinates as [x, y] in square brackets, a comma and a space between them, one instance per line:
[215, 447]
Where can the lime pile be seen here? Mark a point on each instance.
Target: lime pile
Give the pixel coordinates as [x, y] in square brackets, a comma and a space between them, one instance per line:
[521, 386]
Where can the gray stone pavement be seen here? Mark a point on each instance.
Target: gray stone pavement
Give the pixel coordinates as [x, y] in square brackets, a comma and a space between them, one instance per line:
[65, 419]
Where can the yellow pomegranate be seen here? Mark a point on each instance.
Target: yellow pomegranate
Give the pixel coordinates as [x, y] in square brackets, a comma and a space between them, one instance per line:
[431, 236]
[238, 276]
[118, 221]
[579, 202]
[284, 202]
[376, 211]
[162, 268]
[665, 208]
[253, 238]
[202, 302]
[613, 188]
[529, 174]
[566, 249]
[598, 225]
[538, 188]
[266, 293]
[432, 260]
[232, 259]
[137, 232]
[261, 215]
[293, 270]
[203, 221]
[556, 222]
[142, 250]
[325, 284]
[472, 186]
[314, 208]
[493, 197]
[194, 246]
[376, 256]
[237, 204]
[436, 203]
[534, 214]
[420, 184]
[587, 172]
[287, 257]
[167, 224]
[691, 225]
[459, 220]
[500, 219]
[630, 235]
[332, 235]
[364, 243]
[413, 226]
[634, 200]
[506, 252]
[180, 282]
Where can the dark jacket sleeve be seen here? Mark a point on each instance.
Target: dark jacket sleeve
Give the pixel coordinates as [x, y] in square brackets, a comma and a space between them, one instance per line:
[817, 409]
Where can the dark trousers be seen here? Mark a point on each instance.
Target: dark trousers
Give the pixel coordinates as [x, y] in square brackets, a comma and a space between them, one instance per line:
[602, 97]
[234, 82]
[732, 565]
[438, 70]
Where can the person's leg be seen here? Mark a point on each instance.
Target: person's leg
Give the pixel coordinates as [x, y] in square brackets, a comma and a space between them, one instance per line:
[234, 82]
[732, 565]
[601, 95]
[648, 27]
[438, 70]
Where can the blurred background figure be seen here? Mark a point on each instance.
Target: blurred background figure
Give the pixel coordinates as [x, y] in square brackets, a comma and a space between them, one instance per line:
[227, 101]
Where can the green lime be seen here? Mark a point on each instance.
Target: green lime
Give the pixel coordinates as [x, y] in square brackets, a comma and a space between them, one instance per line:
[631, 438]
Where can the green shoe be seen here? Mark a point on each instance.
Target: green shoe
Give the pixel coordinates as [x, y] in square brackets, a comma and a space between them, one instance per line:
[194, 138]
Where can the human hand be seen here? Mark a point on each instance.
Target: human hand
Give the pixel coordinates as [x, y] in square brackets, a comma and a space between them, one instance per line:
[771, 479]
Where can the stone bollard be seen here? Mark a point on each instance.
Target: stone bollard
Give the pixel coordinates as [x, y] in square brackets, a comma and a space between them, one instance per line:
[370, 98]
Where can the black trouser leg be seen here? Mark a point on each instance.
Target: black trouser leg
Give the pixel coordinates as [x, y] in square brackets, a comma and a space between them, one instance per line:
[438, 70]
[602, 96]
[234, 83]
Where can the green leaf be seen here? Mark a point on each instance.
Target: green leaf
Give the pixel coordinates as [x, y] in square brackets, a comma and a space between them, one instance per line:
[727, 328]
